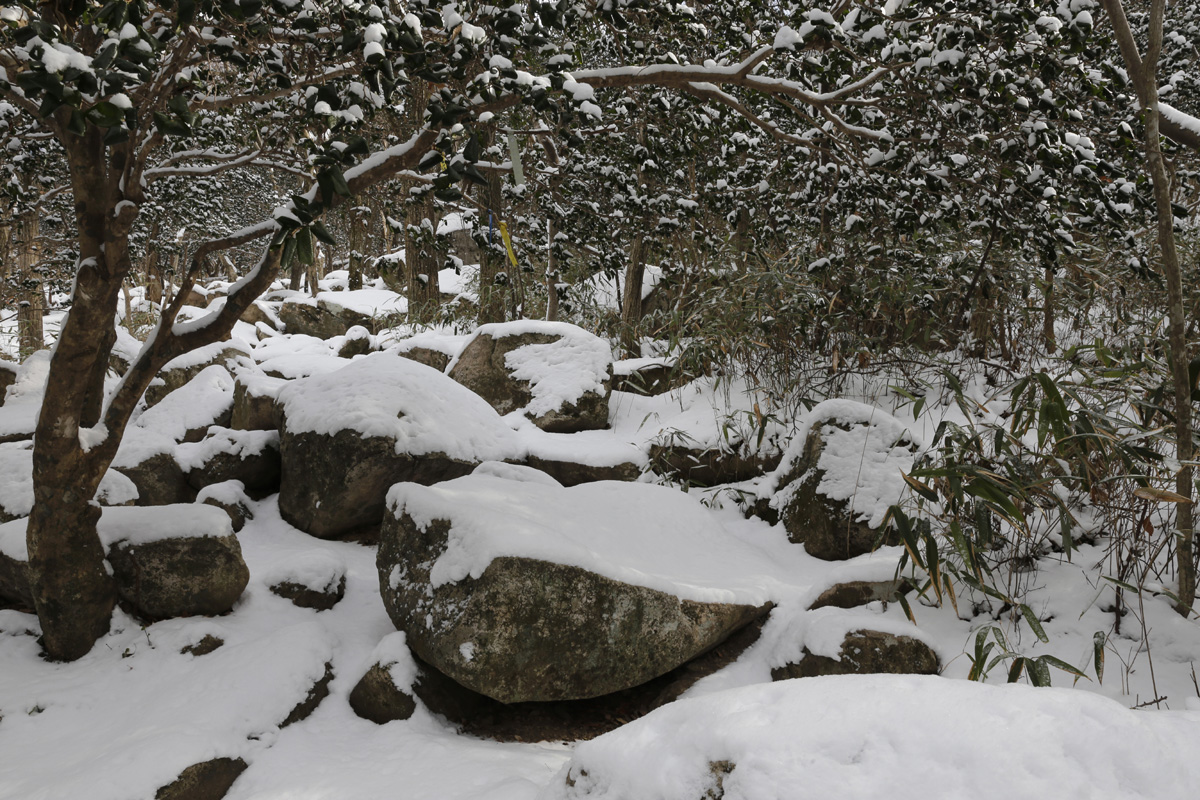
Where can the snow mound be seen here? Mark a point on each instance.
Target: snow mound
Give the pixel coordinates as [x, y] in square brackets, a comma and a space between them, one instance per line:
[138, 525]
[898, 737]
[640, 534]
[135, 712]
[420, 408]
[23, 400]
[316, 570]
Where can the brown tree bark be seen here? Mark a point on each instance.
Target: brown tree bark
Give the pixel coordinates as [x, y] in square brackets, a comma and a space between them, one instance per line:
[631, 302]
[495, 280]
[1143, 73]
[30, 302]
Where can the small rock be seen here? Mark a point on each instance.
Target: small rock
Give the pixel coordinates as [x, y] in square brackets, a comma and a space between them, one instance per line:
[231, 498]
[866, 652]
[208, 780]
[852, 594]
[206, 645]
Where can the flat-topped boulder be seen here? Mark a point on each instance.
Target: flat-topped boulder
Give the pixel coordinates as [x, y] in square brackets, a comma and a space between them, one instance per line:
[332, 314]
[348, 435]
[523, 590]
[556, 374]
[174, 561]
[168, 561]
[841, 473]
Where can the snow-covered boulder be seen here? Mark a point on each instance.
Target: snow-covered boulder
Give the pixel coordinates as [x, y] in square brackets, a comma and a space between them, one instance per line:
[183, 369]
[349, 435]
[254, 406]
[356, 342]
[839, 476]
[23, 399]
[332, 314]
[8, 376]
[385, 693]
[148, 449]
[14, 565]
[251, 457]
[555, 373]
[169, 561]
[310, 579]
[230, 497]
[174, 561]
[887, 736]
[433, 348]
[523, 590]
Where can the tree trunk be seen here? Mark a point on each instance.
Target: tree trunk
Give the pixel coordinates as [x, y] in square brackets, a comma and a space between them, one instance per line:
[1143, 73]
[552, 275]
[358, 220]
[631, 303]
[30, 303]
[494, 279]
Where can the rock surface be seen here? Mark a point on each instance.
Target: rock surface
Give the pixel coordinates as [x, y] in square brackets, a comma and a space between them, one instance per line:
[525, 628]
[866, 652]
[408, 423]
[557, 374]
[838, 478]
[174, 561]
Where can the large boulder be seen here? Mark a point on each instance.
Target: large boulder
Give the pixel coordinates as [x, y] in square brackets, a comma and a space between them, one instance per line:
[406, 422]
[254, 402]
[843, 470]
[332, 314]
[14, 565]
[523, 590]
[8, 376]
[556, 374]
[174, 561]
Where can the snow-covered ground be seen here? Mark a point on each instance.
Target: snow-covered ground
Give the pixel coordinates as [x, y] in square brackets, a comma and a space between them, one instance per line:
[127, 718]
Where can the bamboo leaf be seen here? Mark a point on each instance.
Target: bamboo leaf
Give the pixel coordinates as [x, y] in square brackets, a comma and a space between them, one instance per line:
[1034, 623]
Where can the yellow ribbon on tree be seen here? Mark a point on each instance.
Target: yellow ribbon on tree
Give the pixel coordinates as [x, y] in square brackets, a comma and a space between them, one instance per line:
[508, 244]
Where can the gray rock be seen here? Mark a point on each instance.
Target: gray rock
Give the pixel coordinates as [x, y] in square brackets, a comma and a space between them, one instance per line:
[357, 343]
[304, 597]
[427, 356]
[254, 407]
[171, 378]
[530, 630]
[8, 376]
[231, 498]
[570, 473]
[318, 692]
[160, 481]
[250, 457]
[852, 594]
[208, 780]
[334, 485]
[324, 320]
[14, 582]
[709, 467]
[864, 653]
[482, 367]
[377, 697]
[828, 528]
[200, 572]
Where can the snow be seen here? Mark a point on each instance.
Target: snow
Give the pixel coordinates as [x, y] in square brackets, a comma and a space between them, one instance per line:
[394, 397]
[888, 736]
[861, 465]
[224, 440]
[142, 525]
[601, 527]
[559, 373]
[318, 570]
[23, 400]
[16, 483]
